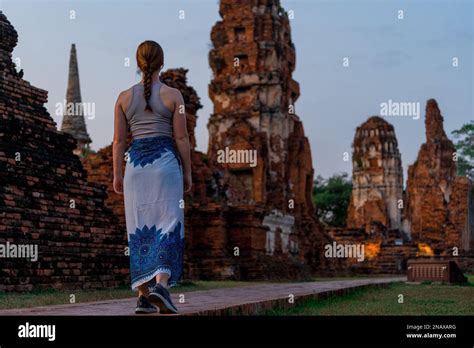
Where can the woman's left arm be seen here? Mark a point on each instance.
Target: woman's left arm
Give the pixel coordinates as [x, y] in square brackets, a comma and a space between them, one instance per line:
[119, 144]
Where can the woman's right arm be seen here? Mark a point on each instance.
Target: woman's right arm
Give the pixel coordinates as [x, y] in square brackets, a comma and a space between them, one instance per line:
[119, 143]
[180, 133]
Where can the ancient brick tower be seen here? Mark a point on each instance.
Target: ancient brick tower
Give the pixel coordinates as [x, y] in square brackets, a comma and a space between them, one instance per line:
[73, 120]
[377, 177]
[45, 198]
[254, 94]
[254, 98]
[439, 205]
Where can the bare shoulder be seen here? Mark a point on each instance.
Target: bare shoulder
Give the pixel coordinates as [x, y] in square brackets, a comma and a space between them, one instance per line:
[171, 91]
[170, 96]
[124, 98]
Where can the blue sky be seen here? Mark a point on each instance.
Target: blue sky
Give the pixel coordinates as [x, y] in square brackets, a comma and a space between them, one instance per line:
[405, 60]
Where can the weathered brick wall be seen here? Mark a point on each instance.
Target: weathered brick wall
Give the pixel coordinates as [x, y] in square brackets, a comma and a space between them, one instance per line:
[383, 252]
[460, 229]
[99, 167]
[437, 202]
[254, 98]
[45, 197]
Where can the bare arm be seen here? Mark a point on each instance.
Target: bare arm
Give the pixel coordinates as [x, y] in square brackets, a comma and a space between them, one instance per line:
[181, 138]
[119, 144]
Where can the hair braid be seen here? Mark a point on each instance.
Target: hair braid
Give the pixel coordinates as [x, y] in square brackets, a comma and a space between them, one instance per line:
[147, 88]
[150, 59]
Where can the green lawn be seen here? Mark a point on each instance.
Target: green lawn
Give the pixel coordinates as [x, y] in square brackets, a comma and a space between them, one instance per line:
[9, 300]
[418, 299]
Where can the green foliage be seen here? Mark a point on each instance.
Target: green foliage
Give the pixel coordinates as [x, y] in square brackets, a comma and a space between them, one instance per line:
[465, 149]
[331, 197]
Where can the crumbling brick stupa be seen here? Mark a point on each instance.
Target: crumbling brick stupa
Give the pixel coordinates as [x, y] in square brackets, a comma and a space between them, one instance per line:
[254, 97]
[439, 204]
[435, 217]
[377, 181]
[375, 211]
[45, 197]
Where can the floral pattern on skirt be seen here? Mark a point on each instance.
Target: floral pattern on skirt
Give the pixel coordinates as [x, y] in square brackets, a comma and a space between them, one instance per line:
[154, 210]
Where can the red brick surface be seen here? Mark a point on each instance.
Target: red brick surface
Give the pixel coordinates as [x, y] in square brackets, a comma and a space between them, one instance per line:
[437, 201]
[45, 196]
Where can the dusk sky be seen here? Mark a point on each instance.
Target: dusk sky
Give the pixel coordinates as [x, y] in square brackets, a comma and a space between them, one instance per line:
[403, 60]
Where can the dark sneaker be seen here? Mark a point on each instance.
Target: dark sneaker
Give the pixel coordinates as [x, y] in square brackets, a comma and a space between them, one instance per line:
[160, 297]
[144, 306]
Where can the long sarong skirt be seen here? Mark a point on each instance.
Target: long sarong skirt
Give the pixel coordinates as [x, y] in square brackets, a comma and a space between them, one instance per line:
[154, 210]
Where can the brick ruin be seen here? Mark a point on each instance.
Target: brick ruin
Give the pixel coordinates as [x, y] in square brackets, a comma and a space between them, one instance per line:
[439, 203]
[436, 214]
[377, 177]
[45, 197]
[254, 97]
[242, 221]
[374, 215]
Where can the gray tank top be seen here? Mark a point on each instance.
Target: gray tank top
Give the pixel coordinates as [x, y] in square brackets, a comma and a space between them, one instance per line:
[144, 124]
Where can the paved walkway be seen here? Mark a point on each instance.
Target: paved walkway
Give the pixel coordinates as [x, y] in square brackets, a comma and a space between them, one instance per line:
[244, 300]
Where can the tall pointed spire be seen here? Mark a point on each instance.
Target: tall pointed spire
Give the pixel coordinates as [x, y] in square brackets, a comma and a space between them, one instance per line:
[434, 122]
[73, 120]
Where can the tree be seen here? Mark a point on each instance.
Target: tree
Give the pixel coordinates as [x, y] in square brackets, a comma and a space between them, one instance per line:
[465, 149]
[331, 197]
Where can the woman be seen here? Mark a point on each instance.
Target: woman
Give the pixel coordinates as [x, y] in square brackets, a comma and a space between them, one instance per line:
[157, 163]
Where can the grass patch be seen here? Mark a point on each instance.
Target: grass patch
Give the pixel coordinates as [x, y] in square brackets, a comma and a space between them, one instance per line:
[11, 300]
[418, 299]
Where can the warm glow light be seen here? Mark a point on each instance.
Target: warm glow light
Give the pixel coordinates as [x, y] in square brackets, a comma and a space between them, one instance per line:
[424, 250]
[372, 250]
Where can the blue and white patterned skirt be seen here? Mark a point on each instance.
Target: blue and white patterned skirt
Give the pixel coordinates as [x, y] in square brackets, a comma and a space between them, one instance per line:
[154, 210]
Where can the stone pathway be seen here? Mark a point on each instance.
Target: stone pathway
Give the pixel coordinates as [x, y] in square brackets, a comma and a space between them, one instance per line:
[241, 300]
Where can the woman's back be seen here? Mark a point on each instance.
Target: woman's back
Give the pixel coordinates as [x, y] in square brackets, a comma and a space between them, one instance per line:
[157, 167]
[143, 123]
